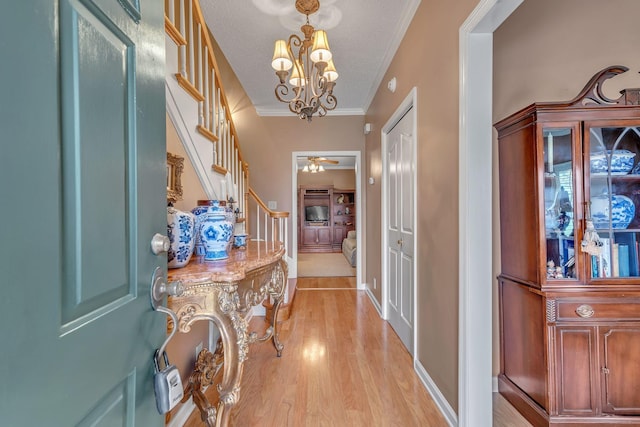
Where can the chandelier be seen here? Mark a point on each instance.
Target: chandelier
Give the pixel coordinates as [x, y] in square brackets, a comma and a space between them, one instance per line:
[309, 89]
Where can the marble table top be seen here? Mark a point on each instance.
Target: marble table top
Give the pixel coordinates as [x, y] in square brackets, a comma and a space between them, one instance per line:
[232, 269]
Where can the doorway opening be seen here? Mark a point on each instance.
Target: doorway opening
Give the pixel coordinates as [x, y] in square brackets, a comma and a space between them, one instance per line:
[336, 212]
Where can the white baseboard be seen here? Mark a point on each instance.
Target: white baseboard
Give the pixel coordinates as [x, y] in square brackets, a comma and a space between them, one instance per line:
[375, 302]
[183, 414]
[442, 404]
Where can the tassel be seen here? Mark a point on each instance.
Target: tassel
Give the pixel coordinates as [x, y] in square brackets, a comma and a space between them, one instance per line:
[591, 243]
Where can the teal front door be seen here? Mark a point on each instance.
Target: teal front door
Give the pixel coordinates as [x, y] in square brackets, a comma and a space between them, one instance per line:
[82, 182]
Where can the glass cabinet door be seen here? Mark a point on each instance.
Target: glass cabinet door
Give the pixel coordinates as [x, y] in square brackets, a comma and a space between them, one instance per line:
[613, 176]
[559, 203]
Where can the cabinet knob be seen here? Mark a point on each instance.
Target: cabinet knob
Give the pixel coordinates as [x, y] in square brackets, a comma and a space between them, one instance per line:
[585, 311]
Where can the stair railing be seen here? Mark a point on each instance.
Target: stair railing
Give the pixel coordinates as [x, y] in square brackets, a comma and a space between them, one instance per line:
[199, 76]
[270, 225]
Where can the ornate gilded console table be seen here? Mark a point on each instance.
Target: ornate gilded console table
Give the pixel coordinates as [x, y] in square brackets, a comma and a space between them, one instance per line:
[224, 292]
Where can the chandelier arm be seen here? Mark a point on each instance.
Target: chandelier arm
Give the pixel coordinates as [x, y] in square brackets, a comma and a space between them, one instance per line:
[330, 102]
[294, 40]
[282, 91]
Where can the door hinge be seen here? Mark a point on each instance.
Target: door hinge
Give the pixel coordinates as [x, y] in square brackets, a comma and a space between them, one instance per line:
[605, 370]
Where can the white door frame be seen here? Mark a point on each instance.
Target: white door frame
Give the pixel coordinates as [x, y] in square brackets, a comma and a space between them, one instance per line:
[475, 364]
[293, 249]
[410, 102]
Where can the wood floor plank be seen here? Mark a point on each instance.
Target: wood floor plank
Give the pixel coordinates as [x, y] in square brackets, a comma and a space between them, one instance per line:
[341, 366]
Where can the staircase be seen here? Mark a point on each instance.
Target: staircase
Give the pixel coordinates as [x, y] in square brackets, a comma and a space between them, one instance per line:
[198, 107]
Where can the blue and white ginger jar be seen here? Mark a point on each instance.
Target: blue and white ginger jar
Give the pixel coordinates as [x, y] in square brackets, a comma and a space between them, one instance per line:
[622, 211]
[205, 207]
[215, 235]
[180, 230]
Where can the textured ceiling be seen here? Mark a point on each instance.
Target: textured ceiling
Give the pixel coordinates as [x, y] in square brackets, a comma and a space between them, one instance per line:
[363, 36]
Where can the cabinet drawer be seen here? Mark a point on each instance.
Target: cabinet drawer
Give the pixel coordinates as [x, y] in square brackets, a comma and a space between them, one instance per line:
[599, 309]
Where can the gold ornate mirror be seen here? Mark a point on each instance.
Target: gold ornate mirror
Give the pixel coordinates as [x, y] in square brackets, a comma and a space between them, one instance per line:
[175, 164]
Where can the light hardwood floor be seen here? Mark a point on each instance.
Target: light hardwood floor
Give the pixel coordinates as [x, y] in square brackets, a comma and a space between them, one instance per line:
[341, 366]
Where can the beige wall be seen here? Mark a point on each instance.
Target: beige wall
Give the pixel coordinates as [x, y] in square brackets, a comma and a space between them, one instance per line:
[191, 187]
[428, 60]
[547, 50]
[344, 179]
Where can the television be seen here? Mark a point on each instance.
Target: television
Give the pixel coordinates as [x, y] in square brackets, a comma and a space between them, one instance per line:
[316, 213]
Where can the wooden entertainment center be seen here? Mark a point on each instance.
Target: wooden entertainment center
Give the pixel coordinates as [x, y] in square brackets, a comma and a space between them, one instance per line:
[325, 215]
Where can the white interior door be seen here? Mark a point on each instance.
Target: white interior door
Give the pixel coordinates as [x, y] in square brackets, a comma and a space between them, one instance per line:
[400, 228]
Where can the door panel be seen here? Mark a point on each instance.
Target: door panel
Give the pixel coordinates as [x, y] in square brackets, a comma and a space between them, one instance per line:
[99, 194]
[621, 369]
[394, 294]
[575, 349]
[406, 308]
[87, 172]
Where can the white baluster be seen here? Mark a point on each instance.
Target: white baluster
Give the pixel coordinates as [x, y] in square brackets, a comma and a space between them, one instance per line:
[172, 12]
[201, 67]
[183, 49]
[191, 45]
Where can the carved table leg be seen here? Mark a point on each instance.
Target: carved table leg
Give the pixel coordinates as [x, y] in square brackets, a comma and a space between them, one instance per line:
[206, 366]
[235, 342]
[279, 285]
[274, 324]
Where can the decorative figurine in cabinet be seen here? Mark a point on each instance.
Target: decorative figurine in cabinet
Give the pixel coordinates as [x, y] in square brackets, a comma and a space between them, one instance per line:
[569, 289]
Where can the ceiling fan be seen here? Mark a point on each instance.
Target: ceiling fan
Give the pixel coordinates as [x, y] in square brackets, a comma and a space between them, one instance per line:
[322, 160]
[314, 164]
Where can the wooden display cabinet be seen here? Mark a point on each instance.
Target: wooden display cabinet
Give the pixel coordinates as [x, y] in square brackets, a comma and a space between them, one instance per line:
[315, 233]
[325, 217]
[569, 298]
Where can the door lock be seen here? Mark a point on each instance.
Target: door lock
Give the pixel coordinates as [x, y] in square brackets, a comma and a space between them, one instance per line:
[167, 383]
[160, 288]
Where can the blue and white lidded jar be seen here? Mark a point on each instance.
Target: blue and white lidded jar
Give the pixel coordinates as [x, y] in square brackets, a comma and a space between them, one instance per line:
[180, 230]
[204, 206]
[215, 235]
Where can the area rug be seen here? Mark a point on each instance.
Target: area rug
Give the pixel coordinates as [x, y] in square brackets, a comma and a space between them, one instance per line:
[324, 265]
